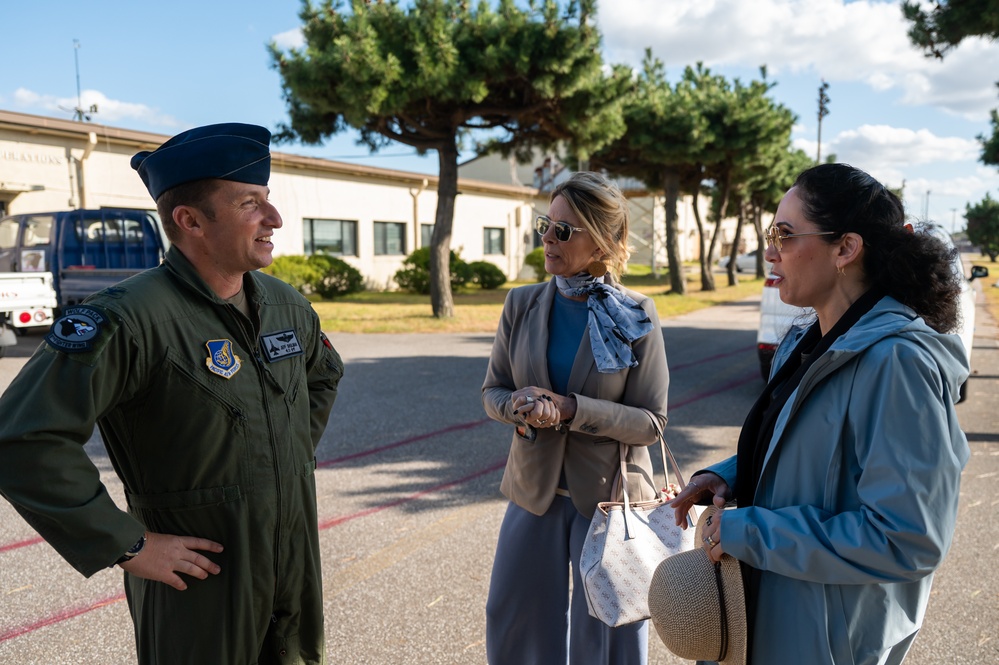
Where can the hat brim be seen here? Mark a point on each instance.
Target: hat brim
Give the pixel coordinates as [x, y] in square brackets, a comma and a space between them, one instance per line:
[686, 597]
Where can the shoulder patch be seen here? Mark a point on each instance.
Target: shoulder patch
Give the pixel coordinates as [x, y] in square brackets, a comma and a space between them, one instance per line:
[77, 329]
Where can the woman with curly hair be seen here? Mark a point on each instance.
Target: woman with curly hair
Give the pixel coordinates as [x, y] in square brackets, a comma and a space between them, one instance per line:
[848, 468]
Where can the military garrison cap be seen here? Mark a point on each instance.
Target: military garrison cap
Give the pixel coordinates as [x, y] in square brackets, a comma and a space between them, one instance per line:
[228, 151]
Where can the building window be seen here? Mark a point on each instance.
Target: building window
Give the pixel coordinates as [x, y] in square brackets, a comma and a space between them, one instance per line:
[493, 241]
[336, 237]
[426, 235]
[390, 238]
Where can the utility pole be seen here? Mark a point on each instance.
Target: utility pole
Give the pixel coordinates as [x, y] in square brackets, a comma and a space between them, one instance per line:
[823, 112]
[79, 113]
[926, 207]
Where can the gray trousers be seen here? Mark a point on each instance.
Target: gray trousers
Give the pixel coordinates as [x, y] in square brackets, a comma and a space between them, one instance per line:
[530, 618]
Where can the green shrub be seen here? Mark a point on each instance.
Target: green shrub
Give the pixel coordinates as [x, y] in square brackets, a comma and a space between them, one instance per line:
[536, 259]
[296, 270]
[486, 274]
[334, 277]
[415, 272]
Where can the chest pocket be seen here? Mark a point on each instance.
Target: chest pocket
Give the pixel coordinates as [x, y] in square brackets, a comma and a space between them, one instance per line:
[192, 433]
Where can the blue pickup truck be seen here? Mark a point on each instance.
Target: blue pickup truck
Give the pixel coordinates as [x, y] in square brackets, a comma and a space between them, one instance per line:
[50, 260]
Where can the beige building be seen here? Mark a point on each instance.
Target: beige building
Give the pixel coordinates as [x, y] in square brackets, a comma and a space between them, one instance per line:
[648, 216]
[370, 217]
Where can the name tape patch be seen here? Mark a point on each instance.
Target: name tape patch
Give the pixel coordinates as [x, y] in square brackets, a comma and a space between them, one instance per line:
[280, 345]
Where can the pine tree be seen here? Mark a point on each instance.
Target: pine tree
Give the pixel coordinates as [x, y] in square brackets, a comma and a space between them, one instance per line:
[661, 148]
[429, 74]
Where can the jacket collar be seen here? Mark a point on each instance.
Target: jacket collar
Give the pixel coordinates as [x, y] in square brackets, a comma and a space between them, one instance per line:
[184, 270]
[537, 323]
[887, 318]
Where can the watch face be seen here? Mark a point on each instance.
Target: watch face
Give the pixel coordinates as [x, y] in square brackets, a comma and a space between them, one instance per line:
[137, 547]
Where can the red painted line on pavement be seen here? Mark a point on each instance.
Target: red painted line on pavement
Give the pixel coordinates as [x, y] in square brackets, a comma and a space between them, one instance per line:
[323, 464]
[420, 437]
[21, 543]
[336, 521]
[64, 615]
[71, 613]
[752, 376]
[711, 358]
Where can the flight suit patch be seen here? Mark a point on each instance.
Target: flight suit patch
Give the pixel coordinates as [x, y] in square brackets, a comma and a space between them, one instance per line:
[280, 345]
[77, 328]
[221, 358]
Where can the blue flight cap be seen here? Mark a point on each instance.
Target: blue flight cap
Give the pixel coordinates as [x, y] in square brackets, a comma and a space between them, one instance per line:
[228, 151]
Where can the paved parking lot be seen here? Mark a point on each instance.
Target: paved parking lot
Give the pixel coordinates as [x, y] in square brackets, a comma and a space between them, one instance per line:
[409, 505]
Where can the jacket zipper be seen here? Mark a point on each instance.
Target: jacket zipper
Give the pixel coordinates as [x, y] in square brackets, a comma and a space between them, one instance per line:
[275, 465]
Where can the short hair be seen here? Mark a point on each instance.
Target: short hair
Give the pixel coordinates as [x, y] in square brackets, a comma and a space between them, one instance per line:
[603, 211]
[197, 194]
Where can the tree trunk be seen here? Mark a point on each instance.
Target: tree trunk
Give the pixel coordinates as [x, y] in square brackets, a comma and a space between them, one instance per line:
[441, 299]
[677, 280]
[761, 243]
[719, 215]
[733, 260]
[707, 281]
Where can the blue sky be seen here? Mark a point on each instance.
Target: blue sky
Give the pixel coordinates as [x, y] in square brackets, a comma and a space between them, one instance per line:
[164, 67]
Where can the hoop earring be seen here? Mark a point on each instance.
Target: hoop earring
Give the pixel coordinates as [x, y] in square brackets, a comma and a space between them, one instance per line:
[597, 268]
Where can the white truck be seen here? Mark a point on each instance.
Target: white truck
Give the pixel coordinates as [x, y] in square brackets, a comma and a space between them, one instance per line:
[27, 299]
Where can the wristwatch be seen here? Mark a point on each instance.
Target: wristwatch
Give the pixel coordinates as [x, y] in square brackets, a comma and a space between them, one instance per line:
[132, 551]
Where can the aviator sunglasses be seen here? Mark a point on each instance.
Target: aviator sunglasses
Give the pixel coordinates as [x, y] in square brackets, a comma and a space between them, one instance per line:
[775, 237]
[563, 231]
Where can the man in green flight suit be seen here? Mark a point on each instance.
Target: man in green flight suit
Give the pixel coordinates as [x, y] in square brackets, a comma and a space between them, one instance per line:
[211, 384]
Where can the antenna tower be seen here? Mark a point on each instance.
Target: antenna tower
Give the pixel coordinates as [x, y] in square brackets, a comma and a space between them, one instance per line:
[79, 113]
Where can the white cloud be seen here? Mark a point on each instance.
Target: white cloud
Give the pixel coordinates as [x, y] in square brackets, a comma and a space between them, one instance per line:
[862, 41]
[897, 146]
[108, 110]
[290, 39]
[893, 154]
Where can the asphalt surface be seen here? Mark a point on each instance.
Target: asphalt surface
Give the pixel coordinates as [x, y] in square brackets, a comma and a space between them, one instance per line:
[409, 505]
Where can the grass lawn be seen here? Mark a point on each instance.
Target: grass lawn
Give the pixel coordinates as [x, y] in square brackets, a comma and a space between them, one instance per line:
[478, 311]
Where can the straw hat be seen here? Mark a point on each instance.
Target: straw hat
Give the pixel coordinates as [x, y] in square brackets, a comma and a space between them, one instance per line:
[699, 607]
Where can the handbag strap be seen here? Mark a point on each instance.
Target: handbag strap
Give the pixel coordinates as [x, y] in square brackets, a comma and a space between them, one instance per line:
[667, 458]
[667, 454]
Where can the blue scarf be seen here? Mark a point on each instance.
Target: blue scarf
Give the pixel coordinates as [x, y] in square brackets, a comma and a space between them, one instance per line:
[615, 320]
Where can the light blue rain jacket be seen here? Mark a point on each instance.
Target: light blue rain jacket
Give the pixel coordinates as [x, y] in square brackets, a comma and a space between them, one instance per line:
[858, 509]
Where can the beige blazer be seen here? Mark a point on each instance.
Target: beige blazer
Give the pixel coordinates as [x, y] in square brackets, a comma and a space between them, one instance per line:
[609, 408]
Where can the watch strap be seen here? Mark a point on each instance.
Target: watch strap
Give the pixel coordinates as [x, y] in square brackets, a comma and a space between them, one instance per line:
[132, 551]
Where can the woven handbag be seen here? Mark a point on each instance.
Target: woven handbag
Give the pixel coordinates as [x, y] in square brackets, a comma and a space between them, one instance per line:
[624, 545]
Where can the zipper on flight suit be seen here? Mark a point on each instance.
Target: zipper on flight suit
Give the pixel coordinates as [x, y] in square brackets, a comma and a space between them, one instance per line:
[262, 373]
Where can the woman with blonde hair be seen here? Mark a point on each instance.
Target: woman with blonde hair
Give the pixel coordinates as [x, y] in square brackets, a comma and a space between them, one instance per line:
[578, 366]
